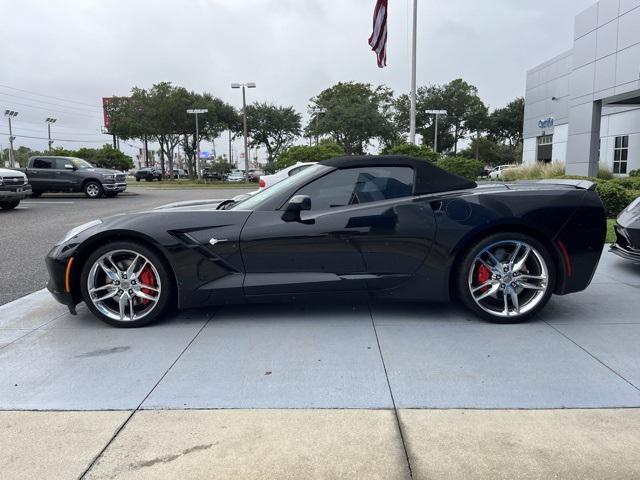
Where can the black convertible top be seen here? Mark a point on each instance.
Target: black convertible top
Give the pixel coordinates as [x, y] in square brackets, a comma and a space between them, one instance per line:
[429, 178]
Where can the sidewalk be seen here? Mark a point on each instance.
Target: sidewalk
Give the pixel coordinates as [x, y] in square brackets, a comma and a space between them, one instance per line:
[327, 391]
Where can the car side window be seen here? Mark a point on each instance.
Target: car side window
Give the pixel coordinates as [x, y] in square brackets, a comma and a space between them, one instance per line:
[60, 163]
[44, 163]
[359, 185]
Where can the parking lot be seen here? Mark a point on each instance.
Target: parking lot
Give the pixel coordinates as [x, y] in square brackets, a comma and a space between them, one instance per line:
[325, 391]
[30, 231]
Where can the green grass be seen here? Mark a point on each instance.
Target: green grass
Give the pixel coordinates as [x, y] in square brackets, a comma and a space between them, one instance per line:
[611, 234]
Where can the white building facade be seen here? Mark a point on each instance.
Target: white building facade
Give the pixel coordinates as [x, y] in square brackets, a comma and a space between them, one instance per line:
[583, 106]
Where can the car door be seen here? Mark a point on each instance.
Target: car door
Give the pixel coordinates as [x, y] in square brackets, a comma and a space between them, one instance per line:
[42, 174]
[65, 174]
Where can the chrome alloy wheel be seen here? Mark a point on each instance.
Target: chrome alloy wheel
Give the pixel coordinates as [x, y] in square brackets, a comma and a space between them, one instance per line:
[93, 190]
[124, 285]
[508, 278]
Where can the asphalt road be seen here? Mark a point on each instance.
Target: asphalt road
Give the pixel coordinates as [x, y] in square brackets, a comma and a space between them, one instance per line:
[28, 232]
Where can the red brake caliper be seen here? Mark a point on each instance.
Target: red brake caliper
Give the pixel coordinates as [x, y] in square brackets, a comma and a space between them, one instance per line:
[147, 278]
[483, 275]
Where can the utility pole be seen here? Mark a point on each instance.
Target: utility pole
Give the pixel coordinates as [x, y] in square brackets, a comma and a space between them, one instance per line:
[49, 122]
[414, 41]
[437, 113]
[196, 112]
[146, 152]
[244, 121]
[11, 114]
[230, 152]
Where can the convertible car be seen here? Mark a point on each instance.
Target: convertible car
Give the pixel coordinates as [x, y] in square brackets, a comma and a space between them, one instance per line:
[385, 228]
[627, 244]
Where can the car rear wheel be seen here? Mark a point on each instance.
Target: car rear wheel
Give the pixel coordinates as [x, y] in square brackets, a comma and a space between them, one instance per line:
[506, 278]
[126, 284]
[9, 205]
[93, 189]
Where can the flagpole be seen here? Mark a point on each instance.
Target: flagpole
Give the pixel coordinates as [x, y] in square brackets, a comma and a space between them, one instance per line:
[412, 129]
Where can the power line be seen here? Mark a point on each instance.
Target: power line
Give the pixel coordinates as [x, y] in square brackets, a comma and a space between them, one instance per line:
[82, 109]
[49, 96]
[58, 126]
[54, 139]
[97, 115]
[40, 130]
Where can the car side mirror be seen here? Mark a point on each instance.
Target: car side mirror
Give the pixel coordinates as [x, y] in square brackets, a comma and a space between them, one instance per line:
[68, 166]
[296, 205]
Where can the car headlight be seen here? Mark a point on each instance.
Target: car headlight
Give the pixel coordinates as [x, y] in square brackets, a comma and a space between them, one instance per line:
[78, 230]
[634, 204]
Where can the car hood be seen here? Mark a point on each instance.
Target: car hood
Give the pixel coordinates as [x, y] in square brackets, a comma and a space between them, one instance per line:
[5, 172]
[103, 171]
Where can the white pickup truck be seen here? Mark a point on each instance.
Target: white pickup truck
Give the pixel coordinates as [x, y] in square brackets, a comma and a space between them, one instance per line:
[14, 186]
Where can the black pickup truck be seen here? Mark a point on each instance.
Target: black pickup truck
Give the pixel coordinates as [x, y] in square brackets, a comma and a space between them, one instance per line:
[69, 174]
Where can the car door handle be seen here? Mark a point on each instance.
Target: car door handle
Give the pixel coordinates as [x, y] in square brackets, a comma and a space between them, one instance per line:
[214, 241]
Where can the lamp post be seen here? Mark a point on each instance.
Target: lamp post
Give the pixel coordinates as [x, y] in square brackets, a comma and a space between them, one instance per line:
[49, 122]
[196, 111]
[437, 113]
[244, 121]
[11, 114]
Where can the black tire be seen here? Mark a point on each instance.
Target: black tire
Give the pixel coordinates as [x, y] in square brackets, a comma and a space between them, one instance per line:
[161, 307]
[159, 179]
[467, 262]
[93, 189]
[137, 179]
[9, 205]
[147, 179]
[36, 194]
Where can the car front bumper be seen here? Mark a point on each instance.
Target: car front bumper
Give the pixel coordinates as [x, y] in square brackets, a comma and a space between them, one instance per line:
[114, 187]
[14, 193]
[627, 243]
[56, 284]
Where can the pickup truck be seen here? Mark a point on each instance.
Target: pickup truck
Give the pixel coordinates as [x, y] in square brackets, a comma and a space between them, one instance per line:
[69, 174]
[14, 186]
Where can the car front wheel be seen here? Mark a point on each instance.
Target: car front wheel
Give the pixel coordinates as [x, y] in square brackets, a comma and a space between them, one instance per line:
[126, 284]
[506, 278]
[93, 189]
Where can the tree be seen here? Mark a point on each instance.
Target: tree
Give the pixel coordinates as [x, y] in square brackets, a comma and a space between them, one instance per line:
[505, 124]
[352, 114]
[464, 112]
[306, 153]
[272, 126]
[105, 157]
[417, 151]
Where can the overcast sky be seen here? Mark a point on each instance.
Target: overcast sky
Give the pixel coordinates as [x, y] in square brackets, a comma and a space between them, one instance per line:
[82, 50]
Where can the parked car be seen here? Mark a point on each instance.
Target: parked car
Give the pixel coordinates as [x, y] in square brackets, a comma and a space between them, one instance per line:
[148, 174]
[269, 180]
[70, 174]
[496, 173]
[236, 176]
[180, 173]
[14, 186]
[627, 227]
[387, 227]
[255, 174]
[211, 174]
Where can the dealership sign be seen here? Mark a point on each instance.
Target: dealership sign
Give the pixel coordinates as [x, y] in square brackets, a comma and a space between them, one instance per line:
[546, 123]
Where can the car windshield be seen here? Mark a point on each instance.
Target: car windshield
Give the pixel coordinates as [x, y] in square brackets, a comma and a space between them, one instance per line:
[80, 163]
[262, 196]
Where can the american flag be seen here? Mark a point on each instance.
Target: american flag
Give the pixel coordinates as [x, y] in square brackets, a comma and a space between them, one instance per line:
[378, 39]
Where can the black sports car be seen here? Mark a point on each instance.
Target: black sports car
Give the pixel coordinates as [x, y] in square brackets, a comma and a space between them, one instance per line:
[627, 229]
[389, 227]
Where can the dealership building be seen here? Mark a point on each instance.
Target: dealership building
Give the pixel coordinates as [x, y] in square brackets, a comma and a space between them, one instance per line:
[583, 106]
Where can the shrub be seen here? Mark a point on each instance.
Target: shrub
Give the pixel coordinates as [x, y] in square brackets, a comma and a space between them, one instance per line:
[464, 167]
[634, 173]
[306, 153]
[418, 151]
[631, 183]
[604, 173]
[535, 171]
[614, 197]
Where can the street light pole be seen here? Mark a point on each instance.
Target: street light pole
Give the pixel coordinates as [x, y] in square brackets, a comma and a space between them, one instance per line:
[437, 113]
[196, 111]
[412, 114]
[49, 122]
[244, 121]
[11, 114]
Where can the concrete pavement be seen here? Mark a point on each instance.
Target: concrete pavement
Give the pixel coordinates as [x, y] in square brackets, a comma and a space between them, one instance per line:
[327, 391]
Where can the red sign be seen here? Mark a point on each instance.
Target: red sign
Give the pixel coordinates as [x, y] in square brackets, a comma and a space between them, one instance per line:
[107, 104]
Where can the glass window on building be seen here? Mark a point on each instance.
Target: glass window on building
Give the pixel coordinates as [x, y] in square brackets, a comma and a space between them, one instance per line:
[621, 155]
[545, 148]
